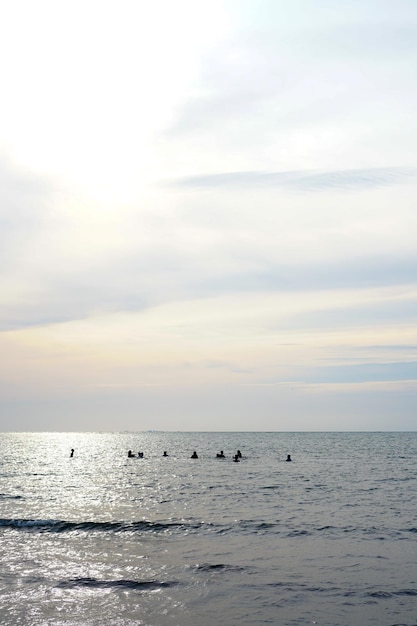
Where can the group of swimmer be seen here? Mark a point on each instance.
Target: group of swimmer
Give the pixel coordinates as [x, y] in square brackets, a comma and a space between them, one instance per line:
[130, 455]
[220, 455]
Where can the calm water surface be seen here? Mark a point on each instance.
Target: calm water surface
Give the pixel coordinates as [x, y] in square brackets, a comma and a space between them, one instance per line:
[328, 539]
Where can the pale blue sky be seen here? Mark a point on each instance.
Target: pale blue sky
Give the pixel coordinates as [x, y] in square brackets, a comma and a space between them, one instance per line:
[207, 215]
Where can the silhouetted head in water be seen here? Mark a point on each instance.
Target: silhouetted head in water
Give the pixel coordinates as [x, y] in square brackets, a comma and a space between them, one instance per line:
[239, 454]
[72, 452]
[140, 455]
[236, 458]
[165, 453]
[288, 457]
[129, 454]
[194, 455]
[221, 455]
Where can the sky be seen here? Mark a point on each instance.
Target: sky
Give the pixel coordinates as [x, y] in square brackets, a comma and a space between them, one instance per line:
[208, 215]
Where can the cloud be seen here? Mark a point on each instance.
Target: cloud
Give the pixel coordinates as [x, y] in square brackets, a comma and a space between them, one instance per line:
[387, 348]
[371, 314]
[379, 387]
[301, 86]
[303, 180]
[374, 40]
[285, 277]
[24, 207]
[364, 372]
[186, 261]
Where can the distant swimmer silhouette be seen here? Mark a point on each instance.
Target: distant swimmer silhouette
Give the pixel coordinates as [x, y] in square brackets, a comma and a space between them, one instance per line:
[194, 455]
[221, 455]
[140, 455]
[288, 457]
[165, 453]
[239, 454]
[130, 455]
[236, 458]
[72, 452]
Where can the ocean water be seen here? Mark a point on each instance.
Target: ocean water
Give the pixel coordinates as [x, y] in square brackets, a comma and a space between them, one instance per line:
[100, 539]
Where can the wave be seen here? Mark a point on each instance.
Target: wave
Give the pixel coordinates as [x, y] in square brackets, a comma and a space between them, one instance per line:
[242, 527]
[210, 567]
[340, 591]
[6, 496]
[62, 526]
[257, 526]
[94, 583]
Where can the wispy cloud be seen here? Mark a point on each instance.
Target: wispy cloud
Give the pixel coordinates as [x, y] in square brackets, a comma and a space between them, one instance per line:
[364, 372]
[303, 180]
[371, 387]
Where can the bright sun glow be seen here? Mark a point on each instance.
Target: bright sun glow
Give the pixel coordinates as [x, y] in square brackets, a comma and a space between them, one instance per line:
[86, 96]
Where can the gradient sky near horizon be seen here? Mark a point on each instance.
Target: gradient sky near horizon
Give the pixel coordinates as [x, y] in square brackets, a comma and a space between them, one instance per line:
[208, 215]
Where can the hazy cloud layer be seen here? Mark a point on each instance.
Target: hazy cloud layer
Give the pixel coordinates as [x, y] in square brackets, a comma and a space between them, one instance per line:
[215, 200]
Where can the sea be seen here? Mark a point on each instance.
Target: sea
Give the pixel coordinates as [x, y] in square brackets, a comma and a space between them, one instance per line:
[100, 539]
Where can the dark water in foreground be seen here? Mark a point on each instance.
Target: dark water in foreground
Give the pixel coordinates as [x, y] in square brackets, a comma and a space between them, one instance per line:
[100, 539]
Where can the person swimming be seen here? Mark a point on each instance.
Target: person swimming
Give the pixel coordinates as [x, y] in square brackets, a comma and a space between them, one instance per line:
[140, 455]
[165, 453]
[194, 455]
[239, 454]
[130, 454]
[236, 458]
[72, 452]
[288, 457]
[221, 455]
